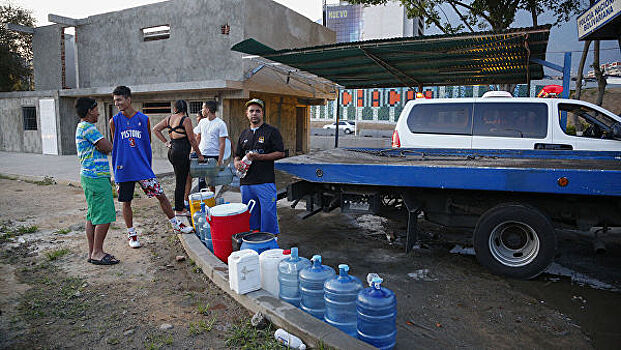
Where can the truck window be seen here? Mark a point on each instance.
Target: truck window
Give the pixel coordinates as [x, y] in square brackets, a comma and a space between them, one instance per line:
[518, 120]
[442, 118]
[583, 121]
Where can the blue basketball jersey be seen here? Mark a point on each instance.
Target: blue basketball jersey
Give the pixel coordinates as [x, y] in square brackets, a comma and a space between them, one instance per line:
[131, 151]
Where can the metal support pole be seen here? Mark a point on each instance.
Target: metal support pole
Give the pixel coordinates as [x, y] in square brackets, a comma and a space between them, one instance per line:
[566, 74]
[338, 110]
[414, 208]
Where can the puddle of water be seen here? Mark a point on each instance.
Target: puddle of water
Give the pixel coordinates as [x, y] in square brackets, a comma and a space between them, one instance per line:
[457, 249]
[579, 278]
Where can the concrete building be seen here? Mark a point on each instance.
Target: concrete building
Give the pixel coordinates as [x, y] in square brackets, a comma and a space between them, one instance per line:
[358, 22]
[178, 49]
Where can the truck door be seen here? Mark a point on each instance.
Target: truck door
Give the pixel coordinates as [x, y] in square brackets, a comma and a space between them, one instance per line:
[587, 128]
[510, 125]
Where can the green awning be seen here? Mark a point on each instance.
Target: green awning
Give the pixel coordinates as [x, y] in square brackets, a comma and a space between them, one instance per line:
[458, 59]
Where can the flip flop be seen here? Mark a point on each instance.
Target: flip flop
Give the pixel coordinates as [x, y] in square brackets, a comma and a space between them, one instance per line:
[106, 260]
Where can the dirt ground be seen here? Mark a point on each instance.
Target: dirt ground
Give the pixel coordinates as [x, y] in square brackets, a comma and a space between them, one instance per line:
[51, 298]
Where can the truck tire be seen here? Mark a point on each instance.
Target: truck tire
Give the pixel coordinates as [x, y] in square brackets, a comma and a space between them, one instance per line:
[514, 240]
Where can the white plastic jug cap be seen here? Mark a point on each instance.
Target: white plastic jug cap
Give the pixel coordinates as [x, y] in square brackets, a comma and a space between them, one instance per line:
[344, 267]
[316, 258]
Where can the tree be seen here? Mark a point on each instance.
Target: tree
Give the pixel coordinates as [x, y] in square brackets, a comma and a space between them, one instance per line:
[482, 14]
[15, 49]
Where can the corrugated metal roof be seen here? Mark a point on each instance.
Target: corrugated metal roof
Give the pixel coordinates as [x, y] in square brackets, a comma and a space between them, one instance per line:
[458, 59]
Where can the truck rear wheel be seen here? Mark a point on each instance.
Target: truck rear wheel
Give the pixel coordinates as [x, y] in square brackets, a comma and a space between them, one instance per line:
[515, 240]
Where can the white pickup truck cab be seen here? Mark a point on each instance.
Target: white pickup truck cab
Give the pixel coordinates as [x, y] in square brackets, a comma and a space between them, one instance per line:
[507, 123]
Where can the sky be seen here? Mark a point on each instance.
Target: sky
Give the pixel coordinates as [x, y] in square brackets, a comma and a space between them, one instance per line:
[563, 38]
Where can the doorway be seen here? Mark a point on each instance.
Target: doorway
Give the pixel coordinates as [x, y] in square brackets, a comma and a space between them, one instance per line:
[300, 130]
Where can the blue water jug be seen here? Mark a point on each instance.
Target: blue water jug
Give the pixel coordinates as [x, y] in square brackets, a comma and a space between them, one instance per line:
[200, 217]
[377, 315]
[340, 294]
[206, 235]
[288, 271]
[312, 279]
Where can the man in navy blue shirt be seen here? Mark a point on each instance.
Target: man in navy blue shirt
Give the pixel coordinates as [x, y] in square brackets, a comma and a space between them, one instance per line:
[262, 144]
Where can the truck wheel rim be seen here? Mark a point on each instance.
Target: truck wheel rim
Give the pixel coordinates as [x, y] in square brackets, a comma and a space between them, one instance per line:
[514, 244]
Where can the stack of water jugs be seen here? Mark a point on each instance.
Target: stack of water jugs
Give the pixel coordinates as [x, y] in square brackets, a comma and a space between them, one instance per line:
[202, 228]
[340, 300]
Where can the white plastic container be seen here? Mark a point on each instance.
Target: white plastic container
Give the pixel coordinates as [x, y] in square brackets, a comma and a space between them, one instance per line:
[244, 274]
[269, 261]
[289, 340]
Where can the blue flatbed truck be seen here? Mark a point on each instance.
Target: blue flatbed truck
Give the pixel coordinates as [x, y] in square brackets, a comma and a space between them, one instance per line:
[511, 200]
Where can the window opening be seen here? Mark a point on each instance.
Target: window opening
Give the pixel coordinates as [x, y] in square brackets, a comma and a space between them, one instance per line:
[517, 120]
[29, 115]
[156, 108]
[583, 121]
[195, 107]
[156, 33]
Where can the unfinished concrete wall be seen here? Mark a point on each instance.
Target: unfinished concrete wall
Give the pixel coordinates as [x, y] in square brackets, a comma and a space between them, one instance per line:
[47, 49]
[112, 50]
[67, 122]
[13, 137]
[279, 27]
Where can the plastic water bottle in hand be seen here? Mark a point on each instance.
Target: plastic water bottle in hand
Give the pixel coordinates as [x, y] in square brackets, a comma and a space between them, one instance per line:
[244, 165]
[289, 340]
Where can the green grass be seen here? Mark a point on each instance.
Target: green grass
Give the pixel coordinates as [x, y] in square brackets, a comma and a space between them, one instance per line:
[56, 254]
[53, 294]
[7, 232]
[203, 309]
[47, 180]
[245, 337]
[201, 326]
[155, 342]
[62, 231]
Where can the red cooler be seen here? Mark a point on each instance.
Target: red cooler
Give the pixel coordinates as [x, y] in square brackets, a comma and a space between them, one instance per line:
[225, 221]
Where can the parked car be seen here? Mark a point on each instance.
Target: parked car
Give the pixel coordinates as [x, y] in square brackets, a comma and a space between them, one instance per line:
[507, 123]
[345, 126]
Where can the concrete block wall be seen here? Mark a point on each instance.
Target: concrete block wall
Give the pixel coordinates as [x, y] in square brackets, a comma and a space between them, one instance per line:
[68, 120]
[111, 49]
[279, 27]
[47, 49]
[13, 137]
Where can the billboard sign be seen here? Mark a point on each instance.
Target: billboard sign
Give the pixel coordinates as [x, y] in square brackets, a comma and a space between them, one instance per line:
[598, 20]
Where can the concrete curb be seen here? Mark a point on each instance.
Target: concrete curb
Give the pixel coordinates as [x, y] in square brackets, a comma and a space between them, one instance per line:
[41, 178]
[284, 315]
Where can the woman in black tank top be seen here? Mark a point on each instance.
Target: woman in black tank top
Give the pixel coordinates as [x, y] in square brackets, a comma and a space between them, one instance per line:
[181, 135]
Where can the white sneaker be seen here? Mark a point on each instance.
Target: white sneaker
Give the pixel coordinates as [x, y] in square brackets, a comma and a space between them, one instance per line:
[182, 228]
[133, 241]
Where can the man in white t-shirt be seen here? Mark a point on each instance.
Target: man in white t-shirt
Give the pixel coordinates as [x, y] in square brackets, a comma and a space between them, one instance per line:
[212, 134]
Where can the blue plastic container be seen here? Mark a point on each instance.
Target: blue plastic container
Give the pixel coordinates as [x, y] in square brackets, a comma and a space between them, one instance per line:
[259, 242]
[288, 271]
[377, 315]
[206, 236]
[200, 218]
[312, 279]
[340, 294]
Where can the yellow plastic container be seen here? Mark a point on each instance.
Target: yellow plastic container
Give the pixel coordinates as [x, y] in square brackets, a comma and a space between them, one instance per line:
[196, 198]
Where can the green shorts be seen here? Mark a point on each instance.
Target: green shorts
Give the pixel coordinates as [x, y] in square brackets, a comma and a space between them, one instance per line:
[98, 192]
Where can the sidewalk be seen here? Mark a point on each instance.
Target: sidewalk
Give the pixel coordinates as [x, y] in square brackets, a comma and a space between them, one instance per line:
[61, 168]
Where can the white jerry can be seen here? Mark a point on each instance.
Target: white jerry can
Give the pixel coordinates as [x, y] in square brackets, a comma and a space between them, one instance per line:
[269, 261]
[244, 273]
